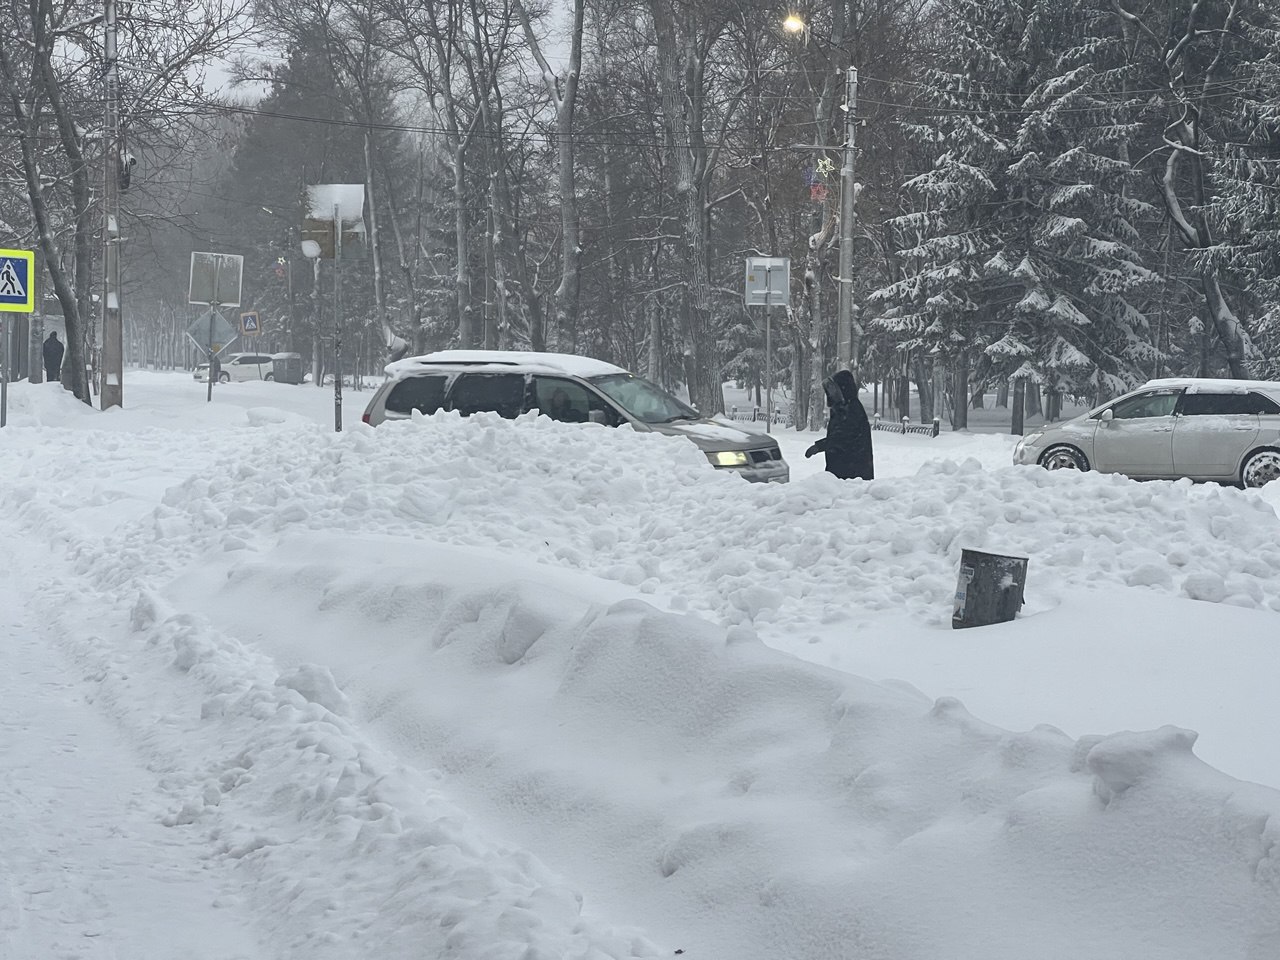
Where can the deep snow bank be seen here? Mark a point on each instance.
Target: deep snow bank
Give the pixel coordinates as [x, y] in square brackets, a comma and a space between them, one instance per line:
[646, 510]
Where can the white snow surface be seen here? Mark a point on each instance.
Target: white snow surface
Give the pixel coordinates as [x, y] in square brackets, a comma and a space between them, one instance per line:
[516, 689]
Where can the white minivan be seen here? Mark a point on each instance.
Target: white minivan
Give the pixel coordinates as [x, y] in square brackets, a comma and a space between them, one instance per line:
[568, 388]
[240, 366]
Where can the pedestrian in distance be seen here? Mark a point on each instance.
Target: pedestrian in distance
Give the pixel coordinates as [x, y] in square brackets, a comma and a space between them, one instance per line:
[847, 444]
[52, 357]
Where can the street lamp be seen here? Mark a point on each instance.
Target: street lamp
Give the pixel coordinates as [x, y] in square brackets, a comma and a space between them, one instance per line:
[845, 353]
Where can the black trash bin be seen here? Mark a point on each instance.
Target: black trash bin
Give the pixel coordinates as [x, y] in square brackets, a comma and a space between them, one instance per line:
[286, 367]
[990, 588]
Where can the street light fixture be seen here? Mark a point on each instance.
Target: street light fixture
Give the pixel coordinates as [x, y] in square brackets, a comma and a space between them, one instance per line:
[845, 357]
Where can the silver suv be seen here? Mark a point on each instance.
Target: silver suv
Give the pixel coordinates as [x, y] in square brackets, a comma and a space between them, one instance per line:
[1224, 430]
[567, 388]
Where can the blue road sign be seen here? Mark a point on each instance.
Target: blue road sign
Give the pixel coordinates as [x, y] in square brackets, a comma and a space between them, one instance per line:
[250, 324]
[17, 281]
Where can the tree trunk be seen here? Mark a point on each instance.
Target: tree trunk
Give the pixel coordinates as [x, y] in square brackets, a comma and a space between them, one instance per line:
[682, 86]
[924, 389]
[960, 395]
[1018, 427]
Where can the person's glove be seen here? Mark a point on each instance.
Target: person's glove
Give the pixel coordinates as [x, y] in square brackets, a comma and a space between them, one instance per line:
[811, 451]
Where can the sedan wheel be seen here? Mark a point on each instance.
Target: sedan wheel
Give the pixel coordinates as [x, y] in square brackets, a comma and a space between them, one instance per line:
[1261, 468]
[1063, 458]
[224, 378]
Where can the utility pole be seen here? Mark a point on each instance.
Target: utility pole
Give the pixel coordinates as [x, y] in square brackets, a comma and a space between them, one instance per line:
[337, 319]
[846, 351]
[111, 357]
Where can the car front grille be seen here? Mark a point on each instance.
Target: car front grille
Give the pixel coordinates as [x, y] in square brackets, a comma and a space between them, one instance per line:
[764, 456]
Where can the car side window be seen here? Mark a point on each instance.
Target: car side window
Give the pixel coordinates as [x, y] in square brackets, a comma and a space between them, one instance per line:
[1226, 404]
[1145, 405]
[564, 400]
[424, 394]
[500, 393]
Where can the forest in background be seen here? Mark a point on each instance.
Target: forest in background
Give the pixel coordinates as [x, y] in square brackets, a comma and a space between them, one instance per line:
[1054, 198]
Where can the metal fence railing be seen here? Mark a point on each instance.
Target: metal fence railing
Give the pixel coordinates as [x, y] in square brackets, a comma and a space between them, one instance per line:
[783, 418]
[757, 415]
[906, 426]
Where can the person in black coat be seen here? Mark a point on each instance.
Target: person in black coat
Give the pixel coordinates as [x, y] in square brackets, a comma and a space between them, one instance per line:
[848, 440]
[52, 357]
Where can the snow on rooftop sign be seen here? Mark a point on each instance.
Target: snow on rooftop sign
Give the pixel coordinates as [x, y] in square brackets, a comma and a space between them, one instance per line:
[327, 202]
[347, 198]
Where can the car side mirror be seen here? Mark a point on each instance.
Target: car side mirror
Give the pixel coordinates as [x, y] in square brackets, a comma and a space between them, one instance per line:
[1106, 416]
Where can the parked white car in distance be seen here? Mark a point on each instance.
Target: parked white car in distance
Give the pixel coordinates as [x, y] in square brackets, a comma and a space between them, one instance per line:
[1203, 429]
[240, 366]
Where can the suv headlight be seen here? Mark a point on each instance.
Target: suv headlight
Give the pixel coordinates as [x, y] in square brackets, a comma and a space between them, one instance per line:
[728, 458]
[1031, 439]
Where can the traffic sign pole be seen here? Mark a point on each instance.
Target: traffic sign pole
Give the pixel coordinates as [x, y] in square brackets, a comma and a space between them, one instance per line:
[771, 267]
[17, 295]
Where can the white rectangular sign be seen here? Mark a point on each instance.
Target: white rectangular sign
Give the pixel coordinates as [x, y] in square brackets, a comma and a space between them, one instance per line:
[215, 279]
[768, 281]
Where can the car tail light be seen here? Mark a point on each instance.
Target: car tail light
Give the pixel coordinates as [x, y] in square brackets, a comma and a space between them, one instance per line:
[364, 418]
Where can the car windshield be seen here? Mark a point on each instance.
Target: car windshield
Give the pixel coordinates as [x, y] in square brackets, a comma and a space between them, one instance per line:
[645, 401]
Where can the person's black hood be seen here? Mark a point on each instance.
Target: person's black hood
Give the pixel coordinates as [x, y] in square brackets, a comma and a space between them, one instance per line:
[840, 388]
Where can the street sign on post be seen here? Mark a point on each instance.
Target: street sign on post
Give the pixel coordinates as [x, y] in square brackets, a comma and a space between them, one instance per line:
[17, 281]
[17, 295]
[340, 207]
[250, 324]
[215, 279]
[768, 283]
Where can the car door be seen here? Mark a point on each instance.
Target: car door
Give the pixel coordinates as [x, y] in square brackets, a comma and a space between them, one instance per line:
[500, 393]
[245, 367]
[1138, 438]
[251, 367]
[1213, 431]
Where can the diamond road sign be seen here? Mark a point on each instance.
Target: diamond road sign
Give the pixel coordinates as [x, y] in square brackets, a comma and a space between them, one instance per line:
[17, 281]
[211, 332]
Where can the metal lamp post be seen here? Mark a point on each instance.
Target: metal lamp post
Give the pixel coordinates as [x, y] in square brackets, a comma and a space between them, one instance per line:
[846, 354]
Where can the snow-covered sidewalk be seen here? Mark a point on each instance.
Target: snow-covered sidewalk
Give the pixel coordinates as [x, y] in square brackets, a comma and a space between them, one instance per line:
[89, 869]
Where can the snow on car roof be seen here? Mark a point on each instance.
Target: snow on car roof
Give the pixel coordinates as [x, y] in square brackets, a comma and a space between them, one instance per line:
[565, 363]
[1215, 385]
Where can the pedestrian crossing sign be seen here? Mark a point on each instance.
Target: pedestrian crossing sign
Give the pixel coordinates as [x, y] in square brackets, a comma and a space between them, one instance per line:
[250, 325]
[17, 281]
